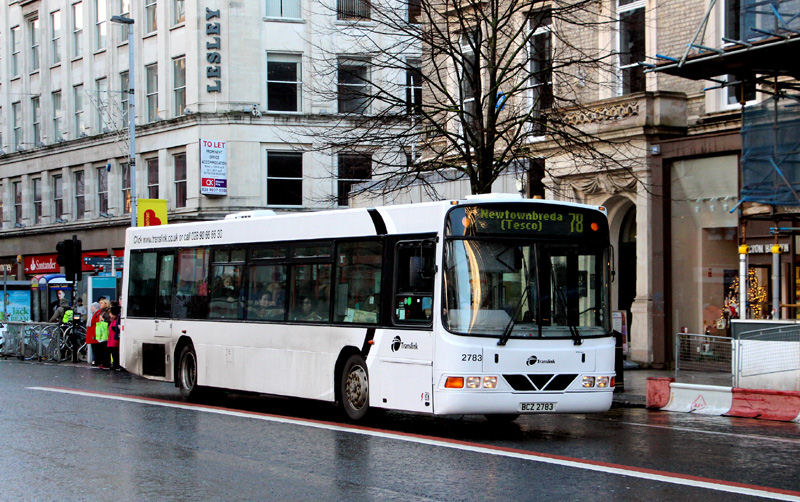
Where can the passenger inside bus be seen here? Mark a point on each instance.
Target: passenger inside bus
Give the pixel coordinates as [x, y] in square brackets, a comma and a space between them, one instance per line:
[306, 311]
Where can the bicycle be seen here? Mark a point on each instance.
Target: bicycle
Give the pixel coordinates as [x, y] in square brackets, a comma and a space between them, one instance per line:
[68, 341]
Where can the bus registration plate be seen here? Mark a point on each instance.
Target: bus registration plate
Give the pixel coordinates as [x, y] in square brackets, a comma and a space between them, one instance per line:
[536, 407]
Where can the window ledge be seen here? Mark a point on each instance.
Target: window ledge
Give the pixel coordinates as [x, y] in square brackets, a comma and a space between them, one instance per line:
[34, 72]
[354, 22]
[152, 34]
[55, 65]
[283, 112]
[268, 19]
[99, 51]
[177, 26]
[76, 59]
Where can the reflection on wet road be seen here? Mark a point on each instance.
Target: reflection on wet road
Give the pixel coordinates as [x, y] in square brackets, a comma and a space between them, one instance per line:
[121, 437]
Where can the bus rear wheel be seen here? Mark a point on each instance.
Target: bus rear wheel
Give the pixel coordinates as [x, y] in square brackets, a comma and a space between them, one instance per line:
[187, 373]
[354, 387]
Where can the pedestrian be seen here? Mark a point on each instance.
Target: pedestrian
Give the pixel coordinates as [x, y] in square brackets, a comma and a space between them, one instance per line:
[63, 313]
[113, 336]
[101, 334]
[80, 311]
[95, 312]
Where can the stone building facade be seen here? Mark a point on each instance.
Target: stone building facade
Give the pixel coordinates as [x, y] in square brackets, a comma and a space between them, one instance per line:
[237, 73]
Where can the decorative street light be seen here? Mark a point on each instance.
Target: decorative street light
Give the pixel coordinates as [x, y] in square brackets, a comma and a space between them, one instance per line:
[131, 115]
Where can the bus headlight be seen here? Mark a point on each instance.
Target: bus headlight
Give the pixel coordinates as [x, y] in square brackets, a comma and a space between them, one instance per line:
[587, 381]
[601, 381]
[490, 382]
[473, 382]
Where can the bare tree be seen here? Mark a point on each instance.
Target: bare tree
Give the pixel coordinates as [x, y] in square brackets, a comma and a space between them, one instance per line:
[437, 90]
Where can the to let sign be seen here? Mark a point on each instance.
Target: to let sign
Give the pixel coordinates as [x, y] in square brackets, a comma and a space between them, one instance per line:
[213, 167]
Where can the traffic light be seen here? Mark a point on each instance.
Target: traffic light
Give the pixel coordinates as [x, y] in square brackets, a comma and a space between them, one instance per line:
[69, 256]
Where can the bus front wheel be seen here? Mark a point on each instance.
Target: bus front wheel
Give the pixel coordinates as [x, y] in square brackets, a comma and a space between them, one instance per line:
[187, 373]
[354, 388]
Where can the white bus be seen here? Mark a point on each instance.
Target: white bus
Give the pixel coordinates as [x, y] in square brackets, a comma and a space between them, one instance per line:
[488, 305]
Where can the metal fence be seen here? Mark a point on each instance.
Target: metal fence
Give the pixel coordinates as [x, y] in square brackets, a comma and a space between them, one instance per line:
[767, 352]
[708, 357]
[32, 341]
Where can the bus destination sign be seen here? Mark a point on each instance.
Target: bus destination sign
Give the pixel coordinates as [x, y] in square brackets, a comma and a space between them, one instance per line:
[543, 220]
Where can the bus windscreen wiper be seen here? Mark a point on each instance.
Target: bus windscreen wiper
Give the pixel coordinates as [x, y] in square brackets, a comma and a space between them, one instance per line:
[573, 329]
[510, 326]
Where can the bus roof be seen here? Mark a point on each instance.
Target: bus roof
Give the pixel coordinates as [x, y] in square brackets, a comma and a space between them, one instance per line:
[419, 218]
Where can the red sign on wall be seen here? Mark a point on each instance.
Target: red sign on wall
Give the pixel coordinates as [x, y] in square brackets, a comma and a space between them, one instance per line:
[42, 264]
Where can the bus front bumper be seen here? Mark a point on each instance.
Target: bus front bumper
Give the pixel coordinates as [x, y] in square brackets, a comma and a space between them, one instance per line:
[447, 402]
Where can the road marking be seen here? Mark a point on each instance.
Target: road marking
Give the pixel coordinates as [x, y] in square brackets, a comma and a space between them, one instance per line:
[577, 463]
[701, 431]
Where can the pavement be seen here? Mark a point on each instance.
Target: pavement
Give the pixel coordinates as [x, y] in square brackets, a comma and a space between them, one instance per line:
[634, 388]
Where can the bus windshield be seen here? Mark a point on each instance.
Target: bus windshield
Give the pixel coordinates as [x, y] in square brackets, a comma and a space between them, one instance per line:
[486, 281]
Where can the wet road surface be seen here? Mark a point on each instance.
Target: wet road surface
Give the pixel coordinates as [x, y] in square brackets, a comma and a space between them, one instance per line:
[70, 432]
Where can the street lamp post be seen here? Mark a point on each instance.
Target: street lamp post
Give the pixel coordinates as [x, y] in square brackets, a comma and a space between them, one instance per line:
[131, 115]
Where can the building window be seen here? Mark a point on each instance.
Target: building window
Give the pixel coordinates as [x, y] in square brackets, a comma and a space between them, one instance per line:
[124, 9]
[738, 93]
[36, 114]
[469, 75]
[152, 92]
[55, 37]
[283, 8]
[37, 200]
[352, 90]
[179, 161]
[178, 12]
[353, 168]
[284, 83]
[16, 49]
[77, 99]
[179, 85]
[58, 115]
[77, 29]
[152, 178]
[16, 118]
[33, 33]
[284, 178]
[124, 92]
[126, 187]
[631, 45]
[58, 197]
[413, 86]
[541, 67]
[102, 191]
[101, 104]
[100, 25]
[80, 201]
[17, 185]
[414, 11]
[151, 23]
[352, 10]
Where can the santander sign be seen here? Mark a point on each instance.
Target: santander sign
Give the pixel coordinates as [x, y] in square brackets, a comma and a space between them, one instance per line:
[43, 264]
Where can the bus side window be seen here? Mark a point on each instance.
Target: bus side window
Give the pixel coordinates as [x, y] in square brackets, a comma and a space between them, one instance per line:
[190, 300]
[166, 267]
[227, 285]
[358, 282]
[142, 285]
[413, 295]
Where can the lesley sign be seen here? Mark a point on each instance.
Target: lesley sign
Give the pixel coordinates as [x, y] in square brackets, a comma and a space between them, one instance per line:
[213, 167]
